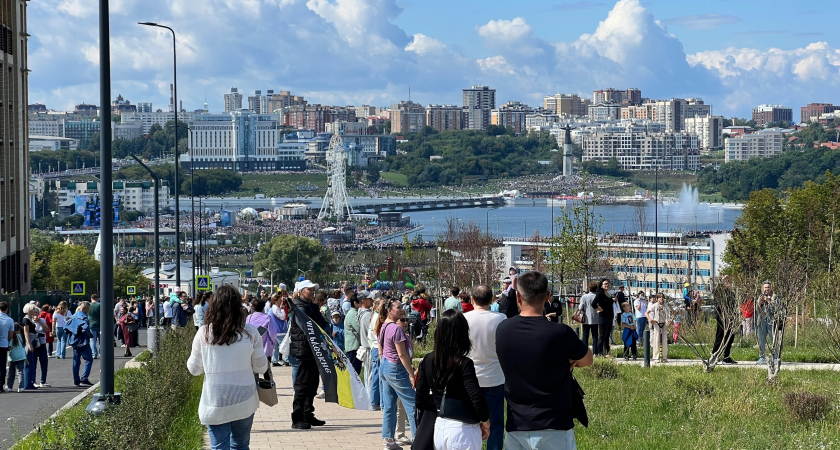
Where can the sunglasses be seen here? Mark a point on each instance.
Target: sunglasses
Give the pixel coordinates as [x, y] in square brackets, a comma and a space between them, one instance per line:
[403, 320]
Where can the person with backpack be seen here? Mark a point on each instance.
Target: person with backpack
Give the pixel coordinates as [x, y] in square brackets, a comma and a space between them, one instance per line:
[17, 359]
[80, 334]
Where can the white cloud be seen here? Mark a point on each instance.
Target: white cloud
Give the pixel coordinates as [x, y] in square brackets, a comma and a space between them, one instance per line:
[505, 30]
[423, 45]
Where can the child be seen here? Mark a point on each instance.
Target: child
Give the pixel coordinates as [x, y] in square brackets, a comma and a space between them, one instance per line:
[17, 360]
[628, 335]
[678, 316]
[337, 329]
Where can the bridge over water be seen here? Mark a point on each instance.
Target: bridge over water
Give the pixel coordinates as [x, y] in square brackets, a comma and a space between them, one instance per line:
[429, 205]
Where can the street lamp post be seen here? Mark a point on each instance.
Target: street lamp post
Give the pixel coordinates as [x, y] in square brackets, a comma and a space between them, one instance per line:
[177, 153]
[156, 179]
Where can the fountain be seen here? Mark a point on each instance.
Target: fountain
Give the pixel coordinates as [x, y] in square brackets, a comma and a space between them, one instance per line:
[689, 210]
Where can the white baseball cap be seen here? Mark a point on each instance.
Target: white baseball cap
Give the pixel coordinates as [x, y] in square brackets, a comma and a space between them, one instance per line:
[301, 285]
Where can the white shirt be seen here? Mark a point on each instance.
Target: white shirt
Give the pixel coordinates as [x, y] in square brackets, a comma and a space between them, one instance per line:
[640, 312]
[59, 319]
[278, 312]
[483, 326]
[167, 310]
[372, 338]
[229, 392]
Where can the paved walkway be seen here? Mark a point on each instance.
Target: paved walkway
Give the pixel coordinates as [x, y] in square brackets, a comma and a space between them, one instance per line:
[345, 428]
[29, 409]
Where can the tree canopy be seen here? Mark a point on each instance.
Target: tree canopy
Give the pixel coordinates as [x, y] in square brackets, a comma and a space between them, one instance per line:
[290, 256]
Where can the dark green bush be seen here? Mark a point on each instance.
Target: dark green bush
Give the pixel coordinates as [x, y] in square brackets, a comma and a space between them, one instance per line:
[158, 409]
[803, 405]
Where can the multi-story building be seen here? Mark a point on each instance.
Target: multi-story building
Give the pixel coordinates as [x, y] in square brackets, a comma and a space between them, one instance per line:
[444, 117]
[339, 114]
[144, 107]
[511, 115]
[604, 111]
[239, 140]
[764, 114]
[541, 121]
[45, 125]
[258, 103]
[37, 108]
[81, 130]
[304, 117]
[127, 131]
[14, 150]
[812, 111]
[51, 143]
[627, 97]
[642, 150]
[364, 111]
[158, 117]
[709, 129]
[407, 117]
[567, 104]
[673, 112]
[478, 102]
[87, 110]
[636, 112]
[134, 195]
[761, 144]
[347, 128]
[121, 105]
[233, 100]
[276, 102]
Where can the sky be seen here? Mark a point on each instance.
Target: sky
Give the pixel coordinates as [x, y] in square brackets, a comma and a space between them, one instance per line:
[734, 54]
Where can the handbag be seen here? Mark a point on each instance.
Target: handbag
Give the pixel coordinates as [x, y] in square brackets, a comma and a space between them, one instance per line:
[579, 316]
[266, 389]
[458, 410]
[132, 327]
[285, 344]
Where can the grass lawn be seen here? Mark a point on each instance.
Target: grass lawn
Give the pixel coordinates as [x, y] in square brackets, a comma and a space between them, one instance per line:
[395, 178]
[281, 185]
[682, 408]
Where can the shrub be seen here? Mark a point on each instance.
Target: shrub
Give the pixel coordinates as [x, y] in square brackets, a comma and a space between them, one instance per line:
[803, 405]
[693, 383]
[603, 368]
[159, 408]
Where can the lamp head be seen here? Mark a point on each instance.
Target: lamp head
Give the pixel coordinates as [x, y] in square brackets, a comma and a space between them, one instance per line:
[148, 24]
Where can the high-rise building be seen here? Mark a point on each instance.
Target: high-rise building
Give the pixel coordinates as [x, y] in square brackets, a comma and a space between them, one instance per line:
[570, 105]
[673, 112]
[812, 111]
[237, 140]
[627, 97]
[407, 117]
[144, 107]
[709, 129]
[511, 115]
[304, 117]
[14, 150]
[121, 105]
[277, 102]
[478, 102]
[642, 150]
[604, 111]
[444, 117]
[258, 103]
[233, 100]
[764, 114]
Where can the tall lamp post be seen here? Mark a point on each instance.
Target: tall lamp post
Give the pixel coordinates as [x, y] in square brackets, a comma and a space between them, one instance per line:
[177, 154]
[153, 336]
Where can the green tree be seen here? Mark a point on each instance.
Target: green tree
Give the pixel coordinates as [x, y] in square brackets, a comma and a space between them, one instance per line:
[125, 276]
[69, 263]
[289, 256]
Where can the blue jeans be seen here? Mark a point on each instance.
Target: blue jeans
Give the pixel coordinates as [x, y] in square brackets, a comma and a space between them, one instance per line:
[641, 324]
[14, 368]
[295, 364]
[374, 394]
[94, 342]
[79, 354]
[763, 332]
[495, 397]
[61, 343]
[541, 440]
[29, 372]
[395, 384]
[234, 435]
[276, 357]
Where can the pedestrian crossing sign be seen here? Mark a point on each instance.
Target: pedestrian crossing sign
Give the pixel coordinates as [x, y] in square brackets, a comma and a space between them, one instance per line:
[131, 290]
[77, 288]
[212, 287]
[202, 283]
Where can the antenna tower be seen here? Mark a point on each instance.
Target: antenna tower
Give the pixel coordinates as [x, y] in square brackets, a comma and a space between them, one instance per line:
[335, 200]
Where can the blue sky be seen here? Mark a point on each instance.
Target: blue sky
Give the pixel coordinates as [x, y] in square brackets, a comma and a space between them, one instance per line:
[734, 54]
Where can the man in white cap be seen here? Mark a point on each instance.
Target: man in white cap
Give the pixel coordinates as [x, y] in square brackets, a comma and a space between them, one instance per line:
[306, 381]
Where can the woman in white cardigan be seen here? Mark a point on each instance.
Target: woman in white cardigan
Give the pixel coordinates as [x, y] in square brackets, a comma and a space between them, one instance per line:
[228, 352]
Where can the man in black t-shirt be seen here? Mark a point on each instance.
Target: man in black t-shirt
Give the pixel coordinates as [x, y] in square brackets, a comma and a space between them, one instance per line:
[537, 356]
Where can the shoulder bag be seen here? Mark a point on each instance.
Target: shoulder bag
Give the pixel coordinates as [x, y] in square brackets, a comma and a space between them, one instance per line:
[266, 389]
[455, 409]
[579, 316]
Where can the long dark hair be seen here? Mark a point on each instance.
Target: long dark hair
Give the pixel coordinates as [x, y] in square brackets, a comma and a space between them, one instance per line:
[225, 318]
[452, 344]
[600, 291]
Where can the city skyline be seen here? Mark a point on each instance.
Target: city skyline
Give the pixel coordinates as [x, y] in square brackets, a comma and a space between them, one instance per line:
[371, 51]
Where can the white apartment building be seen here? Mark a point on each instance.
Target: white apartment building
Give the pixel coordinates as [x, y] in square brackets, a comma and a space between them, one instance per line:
[237, 140]
[233, 100]
[709, 129]
[761, 144]
[642, 150]
[673, 112]
[134, 195]
[354, 128]
[44, 126]
[511, 115]
[147, 119]
[127, 131]
[258, 103]
[478, 102]
[603, 112]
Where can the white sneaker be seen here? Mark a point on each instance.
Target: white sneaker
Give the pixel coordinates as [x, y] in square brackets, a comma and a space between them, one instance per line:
[390, 444]
[402, 440]
[320, 395]
[761, 361]
[43, 385]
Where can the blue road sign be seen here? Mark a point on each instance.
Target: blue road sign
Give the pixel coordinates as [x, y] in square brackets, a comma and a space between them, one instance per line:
[131, 290]
[77, 288]
[202, 283]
